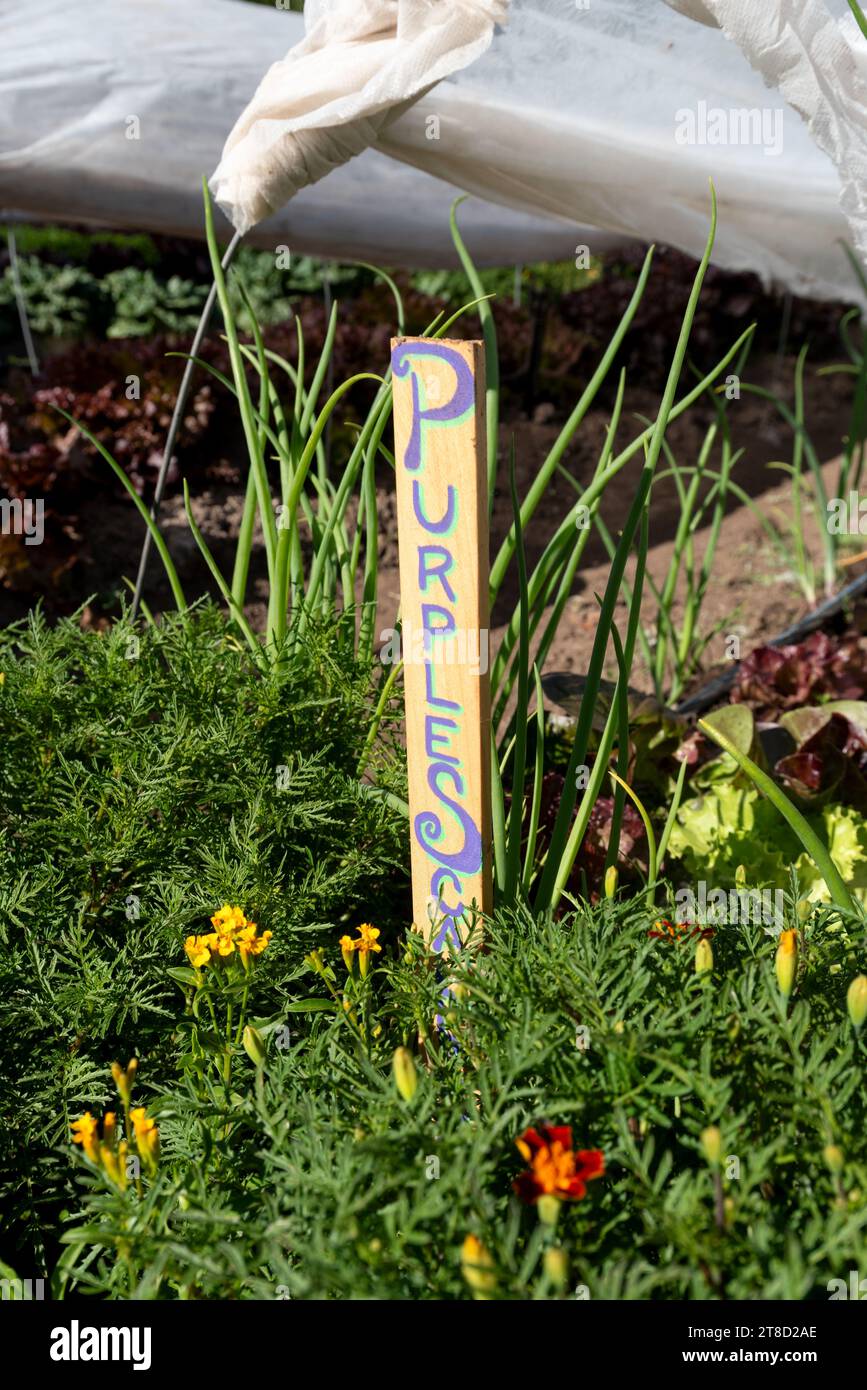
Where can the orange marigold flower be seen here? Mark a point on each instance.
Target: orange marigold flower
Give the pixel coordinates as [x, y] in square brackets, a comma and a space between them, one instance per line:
[367, 938]
[556, 1169]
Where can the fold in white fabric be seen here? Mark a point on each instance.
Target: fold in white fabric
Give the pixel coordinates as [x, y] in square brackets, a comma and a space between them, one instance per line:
[359, 65]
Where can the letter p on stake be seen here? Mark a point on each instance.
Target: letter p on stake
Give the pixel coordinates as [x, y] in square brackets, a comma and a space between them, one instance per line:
[442, 508]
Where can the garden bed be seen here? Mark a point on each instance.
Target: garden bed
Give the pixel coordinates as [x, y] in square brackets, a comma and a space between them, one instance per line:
[235, 1068]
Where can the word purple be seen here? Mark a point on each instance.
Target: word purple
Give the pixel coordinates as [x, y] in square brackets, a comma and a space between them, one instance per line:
[445, 778]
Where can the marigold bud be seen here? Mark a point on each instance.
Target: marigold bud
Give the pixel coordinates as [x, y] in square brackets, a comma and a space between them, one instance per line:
[805, 908]
[115, 1165]
[856, 1000]
[147, 1138]
[740, 876]
[611, 877]
[556, 1264]
[109, 1129]
[786, 962]
[477, 1267]
[833, 1156]
[548, 1207]
[124, 1080]
[405, 1075]
[254, 1045]
[703, 957]
[347, 950]
[711, 1143]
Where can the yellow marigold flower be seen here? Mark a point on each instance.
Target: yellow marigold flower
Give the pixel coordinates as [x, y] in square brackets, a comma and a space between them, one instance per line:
[84, 1132]
[109, 1129]
[368, 938]
[225, 945]
[347, 949]
[141, 1121]
[197, 951]
[245, 941]
[230, 920]
[260, 943]
[366, 943]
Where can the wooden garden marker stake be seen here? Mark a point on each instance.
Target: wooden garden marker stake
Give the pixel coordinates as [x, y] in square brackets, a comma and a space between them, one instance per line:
[442, 518]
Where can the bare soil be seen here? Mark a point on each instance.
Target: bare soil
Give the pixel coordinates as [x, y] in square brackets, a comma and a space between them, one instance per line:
[752, 594]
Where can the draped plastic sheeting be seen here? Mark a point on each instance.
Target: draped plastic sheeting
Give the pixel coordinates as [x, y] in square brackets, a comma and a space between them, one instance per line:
[616, 115]
[71, 76]
[611, 114]
[819, 62]
[359, 63]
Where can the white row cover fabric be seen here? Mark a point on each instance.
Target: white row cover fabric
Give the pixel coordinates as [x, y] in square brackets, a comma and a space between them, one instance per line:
[618, 114]
[820, 67]
[610, 114]
[113, 111]
[360, 61]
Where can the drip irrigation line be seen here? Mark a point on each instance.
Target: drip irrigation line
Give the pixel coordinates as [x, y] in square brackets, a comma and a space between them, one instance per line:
[720, 684]
[175, 424]
[19, 300]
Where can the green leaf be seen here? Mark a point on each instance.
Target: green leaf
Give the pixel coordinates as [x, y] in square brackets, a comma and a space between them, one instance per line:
[813, 846]
[184, 974]
[736, 724]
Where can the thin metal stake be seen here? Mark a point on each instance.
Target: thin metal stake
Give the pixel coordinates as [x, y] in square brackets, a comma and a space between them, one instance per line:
[175, 424]
[22, 307]
[328, 300]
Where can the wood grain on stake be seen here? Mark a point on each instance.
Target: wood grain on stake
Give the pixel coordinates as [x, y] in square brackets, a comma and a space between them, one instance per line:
[442, 513]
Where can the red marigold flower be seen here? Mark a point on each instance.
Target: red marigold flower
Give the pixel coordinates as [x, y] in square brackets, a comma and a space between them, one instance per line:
[556, 1169]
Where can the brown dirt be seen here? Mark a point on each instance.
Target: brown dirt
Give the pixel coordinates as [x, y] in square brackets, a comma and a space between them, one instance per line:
[751, 594]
